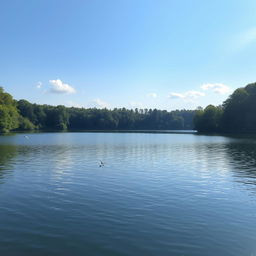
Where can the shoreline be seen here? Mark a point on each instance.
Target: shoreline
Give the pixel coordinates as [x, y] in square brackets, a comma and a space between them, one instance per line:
[106, 131]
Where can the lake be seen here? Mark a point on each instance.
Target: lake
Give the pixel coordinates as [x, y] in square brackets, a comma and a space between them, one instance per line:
[157, 194]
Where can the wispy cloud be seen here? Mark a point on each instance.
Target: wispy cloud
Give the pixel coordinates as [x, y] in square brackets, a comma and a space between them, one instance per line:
[189, 95]
[98, 103]
[244, 39]
[57, 86]
[175, 95]
[39, 85]
[152, 95]
[217, 88]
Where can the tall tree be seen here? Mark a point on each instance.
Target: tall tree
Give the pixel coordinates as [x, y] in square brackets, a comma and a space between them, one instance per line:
[8, 113]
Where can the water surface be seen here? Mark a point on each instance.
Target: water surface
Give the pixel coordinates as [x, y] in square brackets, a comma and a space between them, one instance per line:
[158, 194]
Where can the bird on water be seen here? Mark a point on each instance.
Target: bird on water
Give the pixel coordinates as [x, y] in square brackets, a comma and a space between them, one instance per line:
[101, 164]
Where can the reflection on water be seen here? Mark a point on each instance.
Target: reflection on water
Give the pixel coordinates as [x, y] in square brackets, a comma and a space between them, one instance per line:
[242, 157]
[158, 194]
[7, 153]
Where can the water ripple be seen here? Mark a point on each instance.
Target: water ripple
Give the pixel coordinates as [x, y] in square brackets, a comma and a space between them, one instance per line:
[158, 194]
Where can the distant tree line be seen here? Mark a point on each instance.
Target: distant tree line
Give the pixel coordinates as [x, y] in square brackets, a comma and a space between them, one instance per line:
[236, 115]
[23, 115]
[9, 116]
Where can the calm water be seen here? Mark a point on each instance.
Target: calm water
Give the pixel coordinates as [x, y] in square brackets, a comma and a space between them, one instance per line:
[158, 194]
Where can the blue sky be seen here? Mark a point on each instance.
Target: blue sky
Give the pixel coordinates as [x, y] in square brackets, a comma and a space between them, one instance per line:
[162, 54]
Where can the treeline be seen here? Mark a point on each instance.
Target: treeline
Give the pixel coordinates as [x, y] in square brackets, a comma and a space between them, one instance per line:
[9, 116]
[236, 115]
[23, 115]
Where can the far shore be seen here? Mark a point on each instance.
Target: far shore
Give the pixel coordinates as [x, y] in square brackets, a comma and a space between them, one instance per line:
[106, 131]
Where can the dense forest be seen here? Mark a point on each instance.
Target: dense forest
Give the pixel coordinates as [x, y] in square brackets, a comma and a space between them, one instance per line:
[236, 115]
[23, 115]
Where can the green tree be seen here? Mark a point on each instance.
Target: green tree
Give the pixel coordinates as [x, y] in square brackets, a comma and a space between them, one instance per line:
[209, 119]
[8, 112]
[34, 116]
[25, 124]
[235, 111]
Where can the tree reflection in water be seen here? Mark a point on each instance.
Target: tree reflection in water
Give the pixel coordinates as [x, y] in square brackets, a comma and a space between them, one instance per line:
[7, 154]
[242, 156]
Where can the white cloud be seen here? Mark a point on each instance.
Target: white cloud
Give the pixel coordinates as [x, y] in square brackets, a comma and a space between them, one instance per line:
[217, 88]
[194, 94]
[134, 104]
[152, 95]
[189, 95]
[98, 103]
[175, 95]
[245, 38]
[39, 85]
[57, 86]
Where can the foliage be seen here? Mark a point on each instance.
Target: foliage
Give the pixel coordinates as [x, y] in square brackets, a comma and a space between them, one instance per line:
[209, 119]
[25, 124]
[23, 115]
[8, 112]
[236, 115]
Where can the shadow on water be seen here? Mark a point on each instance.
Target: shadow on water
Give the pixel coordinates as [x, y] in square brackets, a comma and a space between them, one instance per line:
[235, 154]
[7, 154]
[242, 155]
